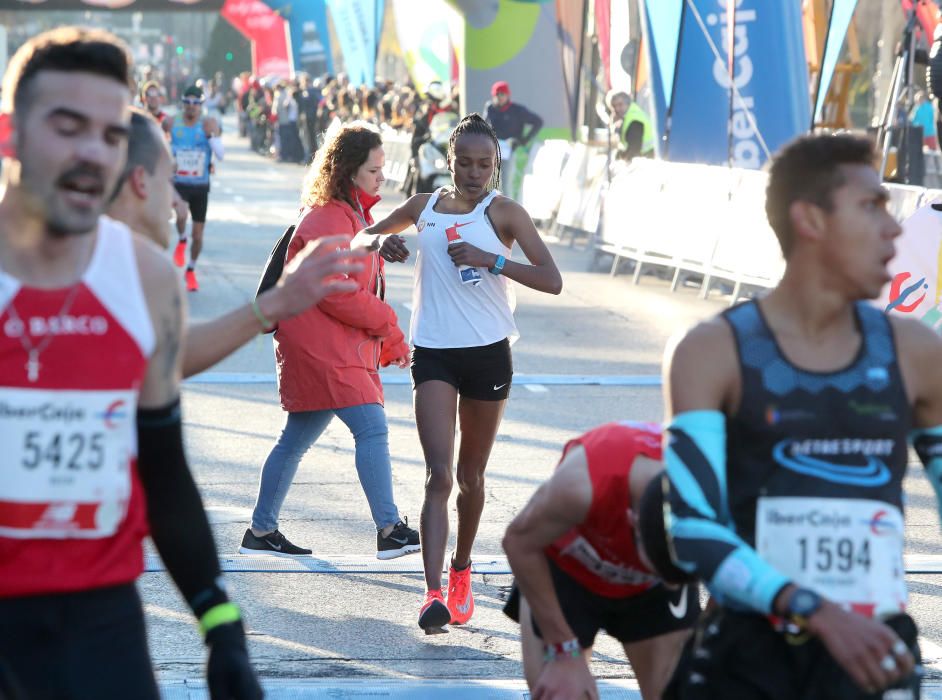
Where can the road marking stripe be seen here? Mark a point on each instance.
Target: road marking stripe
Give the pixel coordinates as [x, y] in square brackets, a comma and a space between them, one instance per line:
[395, 689]
[394, 379]
[411, 564]
[333, 564]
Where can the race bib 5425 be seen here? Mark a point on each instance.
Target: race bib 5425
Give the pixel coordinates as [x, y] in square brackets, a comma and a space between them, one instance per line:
[65, 469]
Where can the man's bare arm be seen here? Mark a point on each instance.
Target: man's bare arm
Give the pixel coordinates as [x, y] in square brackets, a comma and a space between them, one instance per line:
[168, 314]
[556, 507]
[318, 271]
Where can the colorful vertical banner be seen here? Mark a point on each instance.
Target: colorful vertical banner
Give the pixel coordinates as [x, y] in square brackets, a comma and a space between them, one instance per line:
[423, 33]
[620, 73]
[310, 38]
[662, 37]
[268, 33]
[841, 13]
[603, 28]
[719, 106]
[358, 24]
[571, 28]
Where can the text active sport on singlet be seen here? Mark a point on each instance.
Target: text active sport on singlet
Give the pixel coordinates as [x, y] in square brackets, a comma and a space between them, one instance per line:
[445, 312]
[68, 433]
[815, 464]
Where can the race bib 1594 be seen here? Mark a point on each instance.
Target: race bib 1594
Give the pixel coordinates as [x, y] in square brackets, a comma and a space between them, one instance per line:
[848, 550]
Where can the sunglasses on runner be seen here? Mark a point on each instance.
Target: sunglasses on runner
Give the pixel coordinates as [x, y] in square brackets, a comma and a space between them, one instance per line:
[192, 101]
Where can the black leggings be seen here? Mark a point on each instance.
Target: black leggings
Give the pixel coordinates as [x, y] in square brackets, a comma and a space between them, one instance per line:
[90, 644]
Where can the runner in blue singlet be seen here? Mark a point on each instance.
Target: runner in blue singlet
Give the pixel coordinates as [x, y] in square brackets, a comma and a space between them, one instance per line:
[194, 140]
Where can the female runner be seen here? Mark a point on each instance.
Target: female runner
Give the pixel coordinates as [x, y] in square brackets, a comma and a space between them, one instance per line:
[462, 328]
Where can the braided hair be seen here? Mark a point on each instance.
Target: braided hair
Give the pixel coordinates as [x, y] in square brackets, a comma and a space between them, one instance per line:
[474, 123]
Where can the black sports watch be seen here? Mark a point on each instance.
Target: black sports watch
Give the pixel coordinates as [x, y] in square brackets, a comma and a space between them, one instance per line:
[801, 606]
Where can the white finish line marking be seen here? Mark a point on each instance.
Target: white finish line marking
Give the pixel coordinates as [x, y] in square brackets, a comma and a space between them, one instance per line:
[333, 564]
[412, 564]
[402, 378]
[395, 689]
[453, 689]
[536, 388]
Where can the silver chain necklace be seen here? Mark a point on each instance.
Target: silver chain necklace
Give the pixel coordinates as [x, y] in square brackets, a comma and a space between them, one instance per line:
[34, 351]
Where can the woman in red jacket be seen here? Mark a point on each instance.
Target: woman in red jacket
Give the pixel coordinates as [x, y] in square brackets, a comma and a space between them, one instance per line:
[328, 357]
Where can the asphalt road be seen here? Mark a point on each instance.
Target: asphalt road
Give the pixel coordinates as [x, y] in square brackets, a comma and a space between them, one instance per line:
[355, 634]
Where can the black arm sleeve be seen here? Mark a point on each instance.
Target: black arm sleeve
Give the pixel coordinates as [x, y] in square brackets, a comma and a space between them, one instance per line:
[178, 523]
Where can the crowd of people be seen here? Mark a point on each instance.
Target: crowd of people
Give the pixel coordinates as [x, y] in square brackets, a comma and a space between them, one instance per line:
[776, 480]
[287, 118]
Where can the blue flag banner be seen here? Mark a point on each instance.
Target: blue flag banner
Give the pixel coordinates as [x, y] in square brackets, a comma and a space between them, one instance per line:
[841, 13]
[358, 24]
[717, 110]
[662, 22]
[307, 27]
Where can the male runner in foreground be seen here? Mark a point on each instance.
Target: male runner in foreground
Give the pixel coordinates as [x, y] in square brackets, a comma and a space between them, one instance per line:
[141, 202]
[91, 319]
[578, 560]
[787, 446]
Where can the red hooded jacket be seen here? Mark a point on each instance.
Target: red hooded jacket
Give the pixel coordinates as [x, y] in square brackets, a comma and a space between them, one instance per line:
[329, 356]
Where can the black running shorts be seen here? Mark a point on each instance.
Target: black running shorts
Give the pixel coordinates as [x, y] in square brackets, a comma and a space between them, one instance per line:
[484, 373]
[740, 655]
[90, 644]
[655, 612]
[197, 196]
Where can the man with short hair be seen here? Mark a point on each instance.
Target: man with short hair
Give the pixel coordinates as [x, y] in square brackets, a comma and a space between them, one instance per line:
[515, 126]
[511, 120]
[788, 426]
[91, 319]
[141, 203]
[195, 140]
[635, 130]
[588, 552]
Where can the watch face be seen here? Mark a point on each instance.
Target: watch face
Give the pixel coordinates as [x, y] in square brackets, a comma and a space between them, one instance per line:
[804, 602]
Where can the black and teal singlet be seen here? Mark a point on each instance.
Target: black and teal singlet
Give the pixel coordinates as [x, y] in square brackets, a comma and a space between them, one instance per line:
[799, 433]
[804, 483]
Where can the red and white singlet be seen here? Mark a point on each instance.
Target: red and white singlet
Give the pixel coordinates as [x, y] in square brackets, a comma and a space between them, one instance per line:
[72, 512]
[600, 553]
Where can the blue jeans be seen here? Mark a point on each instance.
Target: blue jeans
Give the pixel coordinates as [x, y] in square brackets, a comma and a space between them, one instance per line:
[367, 424]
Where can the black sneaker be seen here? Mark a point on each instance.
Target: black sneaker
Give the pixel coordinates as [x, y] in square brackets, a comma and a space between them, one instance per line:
[402, 540]
[272, 543]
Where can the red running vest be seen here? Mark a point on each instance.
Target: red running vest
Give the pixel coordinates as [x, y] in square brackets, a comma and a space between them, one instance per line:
[600, 553]
[72, 512]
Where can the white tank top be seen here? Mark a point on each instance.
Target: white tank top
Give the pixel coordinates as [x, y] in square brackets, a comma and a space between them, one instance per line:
[445, 312]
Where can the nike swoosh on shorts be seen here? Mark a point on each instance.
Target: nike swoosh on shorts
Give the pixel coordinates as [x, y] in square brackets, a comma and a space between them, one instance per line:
[680, 610]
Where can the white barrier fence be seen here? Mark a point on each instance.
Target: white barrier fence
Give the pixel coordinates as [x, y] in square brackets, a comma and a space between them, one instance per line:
[694, 220]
